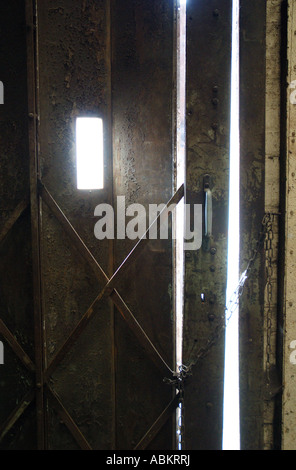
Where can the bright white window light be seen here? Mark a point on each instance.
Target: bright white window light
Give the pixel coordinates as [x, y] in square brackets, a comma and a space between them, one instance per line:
[180, 173]
[89, 153]
[231, 412]
[180, 179]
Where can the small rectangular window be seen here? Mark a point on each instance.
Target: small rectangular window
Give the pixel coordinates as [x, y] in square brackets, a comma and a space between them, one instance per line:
[89, 153]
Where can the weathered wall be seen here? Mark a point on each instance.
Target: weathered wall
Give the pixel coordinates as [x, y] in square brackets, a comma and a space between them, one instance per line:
[274, 42]
[252, 160]
[288, 405]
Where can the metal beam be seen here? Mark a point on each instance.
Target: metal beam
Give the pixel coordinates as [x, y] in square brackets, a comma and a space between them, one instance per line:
[21, 207]
[158, 424]
[16, 414]
[16, 347]
[68, 420]
[71, 232]
[140, 245]
[118, 301]
[32, 74]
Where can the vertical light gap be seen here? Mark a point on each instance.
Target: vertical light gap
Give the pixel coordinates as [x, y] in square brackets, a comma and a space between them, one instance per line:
[180, 179]
[89, 153]
[231, 413]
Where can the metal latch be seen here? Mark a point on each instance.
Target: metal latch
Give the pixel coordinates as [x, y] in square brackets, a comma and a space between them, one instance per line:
[208, 206]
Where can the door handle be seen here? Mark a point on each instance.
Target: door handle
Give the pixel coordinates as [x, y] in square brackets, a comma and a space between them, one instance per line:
[208, 207]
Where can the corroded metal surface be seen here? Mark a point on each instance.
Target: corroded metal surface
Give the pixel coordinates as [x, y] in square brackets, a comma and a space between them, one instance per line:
[73, 60]
[208, 120]
[252, 135]
[142, 43]
[73, 81]
[288, 302]
[74, 64]
[15, 251]
[275, 45]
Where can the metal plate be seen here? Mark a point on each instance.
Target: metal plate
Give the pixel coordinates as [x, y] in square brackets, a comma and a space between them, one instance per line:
[142, 77]
[208, 119]
[252, 135]
[16, 285]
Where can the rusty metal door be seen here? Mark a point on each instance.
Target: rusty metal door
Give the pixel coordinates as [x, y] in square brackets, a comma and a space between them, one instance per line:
[103, 310]
[103, 341]
[208, 127]
[252, 135]
[16, 284]
[100, 62]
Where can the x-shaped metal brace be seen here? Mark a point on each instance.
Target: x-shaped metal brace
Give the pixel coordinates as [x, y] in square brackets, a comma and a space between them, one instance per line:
[109, 289]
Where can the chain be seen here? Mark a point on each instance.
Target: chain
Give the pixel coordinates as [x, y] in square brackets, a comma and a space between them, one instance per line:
[264, 239]
[269, 273]
[181, 416]
[234, 299]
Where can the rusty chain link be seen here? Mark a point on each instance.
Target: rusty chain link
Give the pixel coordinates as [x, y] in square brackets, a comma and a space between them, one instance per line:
[234, 299]
[269, 220]
[264, 239]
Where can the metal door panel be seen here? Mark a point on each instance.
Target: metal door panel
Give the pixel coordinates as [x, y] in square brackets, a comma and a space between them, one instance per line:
[208, 119]
[73, 55]
[142, 77]
[16, 284]
[91, 358]
[252, 135]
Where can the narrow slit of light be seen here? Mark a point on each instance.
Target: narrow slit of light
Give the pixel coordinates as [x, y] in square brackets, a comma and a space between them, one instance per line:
[231, 411]
[89, 153]
[180, 179]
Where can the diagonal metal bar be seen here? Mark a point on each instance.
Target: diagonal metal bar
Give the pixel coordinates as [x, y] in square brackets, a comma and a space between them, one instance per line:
[116, 298]
[140, 245]
[16, 347]
[132, 323]
[20, 208]
[81, 325]
[158, 424]
[16, 414]
[140, 333]
[68, 420]
[71, 232]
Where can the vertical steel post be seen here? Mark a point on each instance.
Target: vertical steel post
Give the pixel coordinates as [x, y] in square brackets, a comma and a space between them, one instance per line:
[36, 212]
